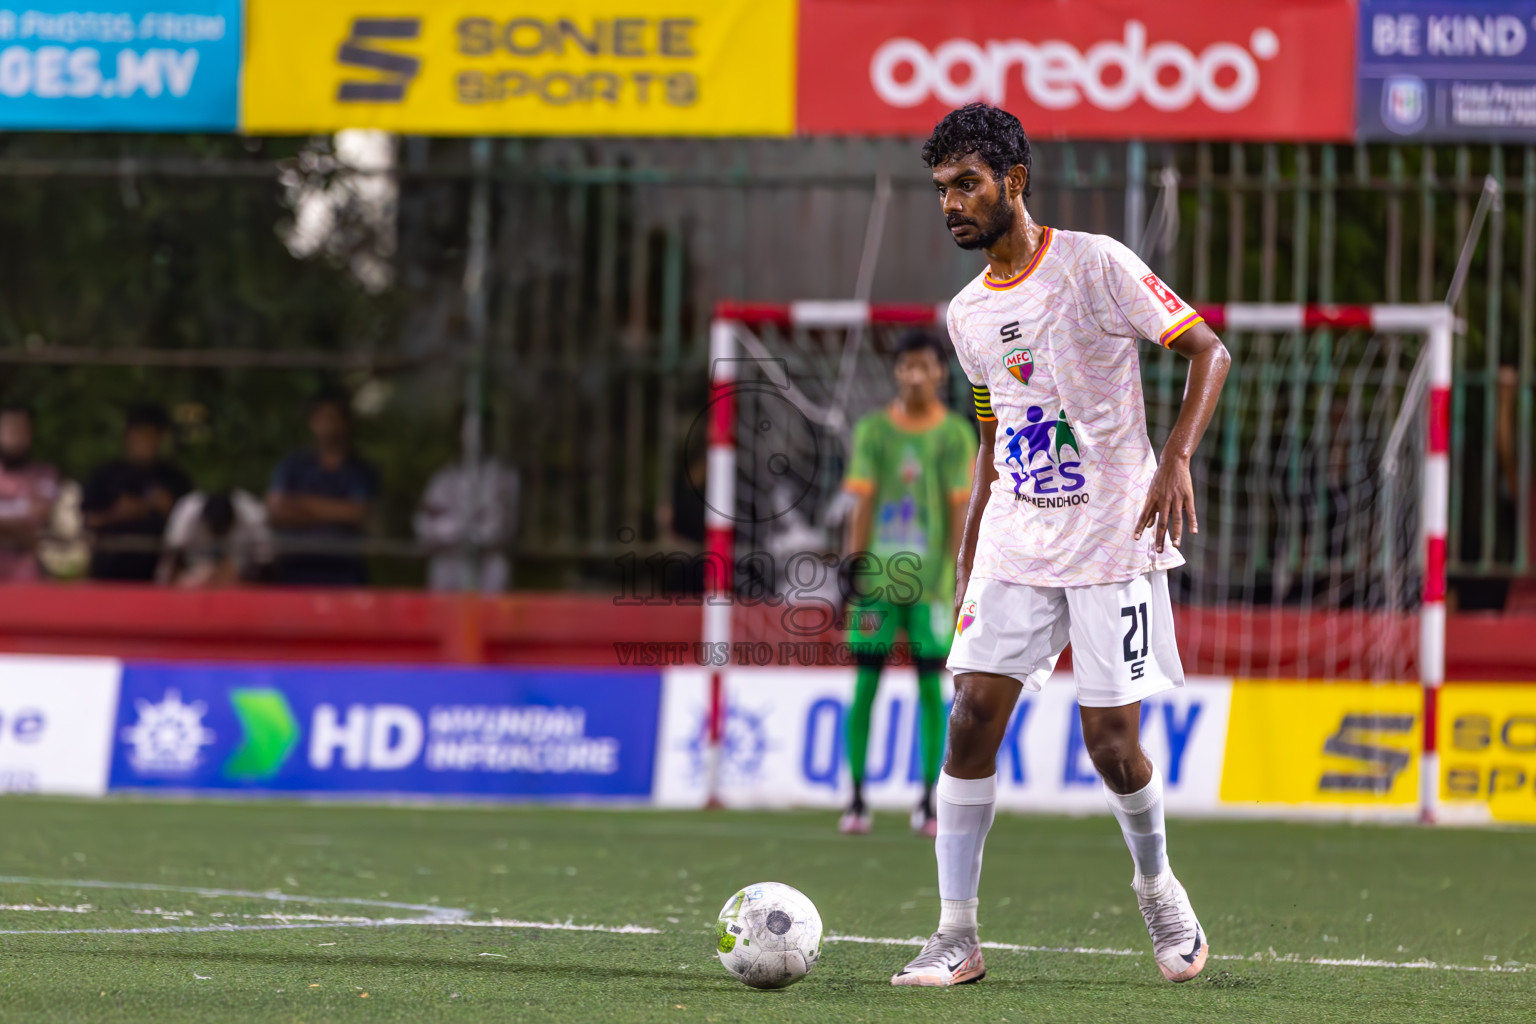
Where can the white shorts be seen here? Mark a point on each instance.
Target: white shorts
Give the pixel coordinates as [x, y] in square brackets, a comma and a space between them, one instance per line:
[1123, 647]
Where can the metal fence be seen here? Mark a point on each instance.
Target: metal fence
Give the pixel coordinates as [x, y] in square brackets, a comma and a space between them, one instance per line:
[571, 282]
[1223, 223]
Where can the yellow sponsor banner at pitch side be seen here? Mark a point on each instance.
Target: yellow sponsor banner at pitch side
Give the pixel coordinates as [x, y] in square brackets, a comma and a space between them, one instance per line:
[1487, 740]
[1320, 743]
[558, 67]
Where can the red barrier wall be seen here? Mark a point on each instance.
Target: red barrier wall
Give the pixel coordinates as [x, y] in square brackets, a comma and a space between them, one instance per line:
[583, 629]
[329, 625]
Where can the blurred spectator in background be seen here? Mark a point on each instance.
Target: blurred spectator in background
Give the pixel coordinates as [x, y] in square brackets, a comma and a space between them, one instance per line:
[322, 495]
[680, 524]
[216, 540]
[466, 517]
[129, 499]
[684, 519]
[28, 490]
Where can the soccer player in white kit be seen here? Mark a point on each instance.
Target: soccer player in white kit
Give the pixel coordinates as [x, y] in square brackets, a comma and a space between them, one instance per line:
[1065, 535]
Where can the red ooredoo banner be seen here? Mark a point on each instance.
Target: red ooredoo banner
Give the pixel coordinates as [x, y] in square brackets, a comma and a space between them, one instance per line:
[1166, 69]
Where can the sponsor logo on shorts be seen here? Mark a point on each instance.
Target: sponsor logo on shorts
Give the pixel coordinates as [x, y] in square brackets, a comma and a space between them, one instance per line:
[1020, 363]
[967, 616]
[1045, 462]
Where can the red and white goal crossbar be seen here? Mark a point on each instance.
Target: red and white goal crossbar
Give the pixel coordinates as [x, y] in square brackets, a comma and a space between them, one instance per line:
[1436, 322]
[1237, 316]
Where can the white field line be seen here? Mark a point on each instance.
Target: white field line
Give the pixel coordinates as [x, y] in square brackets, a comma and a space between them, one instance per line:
[1271, 957]
[436, 916]
[427, 914]
[1508, 967]
[1011, 947]
[298, 922]
[274, 895]
[195, 929]
[559, 926]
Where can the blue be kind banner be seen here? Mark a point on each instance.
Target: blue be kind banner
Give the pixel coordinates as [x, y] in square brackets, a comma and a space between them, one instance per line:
[1446, 70]
[518, 733]
[121, 65]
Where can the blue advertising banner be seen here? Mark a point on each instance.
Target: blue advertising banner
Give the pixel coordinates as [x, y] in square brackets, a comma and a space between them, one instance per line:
[1444, 70]
[125, 65]
[311, 729]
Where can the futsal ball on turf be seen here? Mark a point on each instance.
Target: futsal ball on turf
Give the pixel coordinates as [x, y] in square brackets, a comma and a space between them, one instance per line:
[769, 935]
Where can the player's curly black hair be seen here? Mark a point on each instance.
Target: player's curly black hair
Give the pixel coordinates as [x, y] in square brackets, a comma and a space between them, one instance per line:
[992, 134]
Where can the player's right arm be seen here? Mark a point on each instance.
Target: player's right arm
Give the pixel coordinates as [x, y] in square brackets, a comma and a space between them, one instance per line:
[982, 477]
[984, 470]
[959, 472]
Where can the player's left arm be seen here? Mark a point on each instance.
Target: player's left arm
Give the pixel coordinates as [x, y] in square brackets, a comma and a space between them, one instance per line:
[1172, 494]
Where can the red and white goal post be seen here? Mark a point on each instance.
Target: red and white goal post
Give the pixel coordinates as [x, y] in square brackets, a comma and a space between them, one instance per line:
[735, 337]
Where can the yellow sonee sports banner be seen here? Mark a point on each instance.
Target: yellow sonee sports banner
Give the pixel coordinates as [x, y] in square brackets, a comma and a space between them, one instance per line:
[558, 67]
[1323, 744]
[1487, 741]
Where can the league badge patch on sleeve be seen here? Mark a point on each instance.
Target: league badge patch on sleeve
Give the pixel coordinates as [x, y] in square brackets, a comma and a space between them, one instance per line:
[1020, 363]
[1169, 300]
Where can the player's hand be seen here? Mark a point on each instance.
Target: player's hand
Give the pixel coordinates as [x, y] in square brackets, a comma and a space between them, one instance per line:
[1172, 496]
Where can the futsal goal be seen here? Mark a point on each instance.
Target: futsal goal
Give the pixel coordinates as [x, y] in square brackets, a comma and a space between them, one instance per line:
[1321, 484]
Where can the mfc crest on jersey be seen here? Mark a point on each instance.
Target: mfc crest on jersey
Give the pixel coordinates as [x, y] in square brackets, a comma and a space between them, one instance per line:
[1051, 355]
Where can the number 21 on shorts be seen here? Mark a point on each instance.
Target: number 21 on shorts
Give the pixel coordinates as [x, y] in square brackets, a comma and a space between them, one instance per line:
[1134, 657]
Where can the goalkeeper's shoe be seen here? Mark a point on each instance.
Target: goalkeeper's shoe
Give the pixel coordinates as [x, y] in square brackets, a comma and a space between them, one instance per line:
[948, 958]
[1178, 942]
[855, 822]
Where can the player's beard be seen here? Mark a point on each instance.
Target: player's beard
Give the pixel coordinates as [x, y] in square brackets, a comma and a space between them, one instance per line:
[999, 221]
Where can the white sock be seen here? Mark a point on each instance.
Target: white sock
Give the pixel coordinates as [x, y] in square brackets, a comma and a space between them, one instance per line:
[957, 915]
[1141, 822]
[965, 811]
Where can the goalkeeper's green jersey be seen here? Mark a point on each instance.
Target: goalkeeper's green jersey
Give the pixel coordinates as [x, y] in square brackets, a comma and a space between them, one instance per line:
[913, 469]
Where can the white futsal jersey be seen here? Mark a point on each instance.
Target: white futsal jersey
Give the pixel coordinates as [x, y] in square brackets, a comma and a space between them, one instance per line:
[1051, 354]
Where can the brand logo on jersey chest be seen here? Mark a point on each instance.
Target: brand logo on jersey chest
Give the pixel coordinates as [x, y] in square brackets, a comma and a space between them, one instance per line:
[1021, 363]
[1010, 332]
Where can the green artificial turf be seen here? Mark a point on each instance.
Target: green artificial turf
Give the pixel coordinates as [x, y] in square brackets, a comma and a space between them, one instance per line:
[1263, 890]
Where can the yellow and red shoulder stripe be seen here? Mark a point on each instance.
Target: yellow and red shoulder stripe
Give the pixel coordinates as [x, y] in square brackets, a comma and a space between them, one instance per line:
[1002, 286]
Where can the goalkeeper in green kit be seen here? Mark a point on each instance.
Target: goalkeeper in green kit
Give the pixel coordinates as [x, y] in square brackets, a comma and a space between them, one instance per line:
[910, 476]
